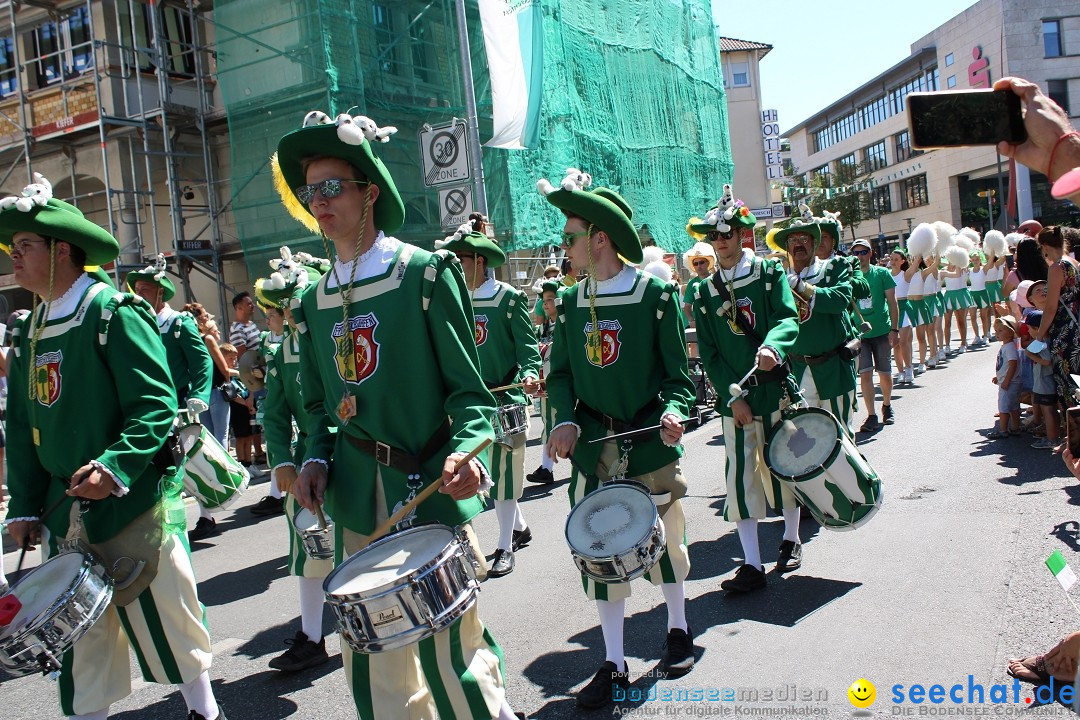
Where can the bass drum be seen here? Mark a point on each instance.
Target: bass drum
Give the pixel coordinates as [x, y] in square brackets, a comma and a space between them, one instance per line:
[809, 452]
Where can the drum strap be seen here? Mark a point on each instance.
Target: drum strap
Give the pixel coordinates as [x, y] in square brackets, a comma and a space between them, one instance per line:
[507, 379]
[618, 426]
[399, 459]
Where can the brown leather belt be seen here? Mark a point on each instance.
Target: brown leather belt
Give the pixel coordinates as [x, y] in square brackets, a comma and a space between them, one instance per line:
[616, 425]
[817, 359]
[399, 459]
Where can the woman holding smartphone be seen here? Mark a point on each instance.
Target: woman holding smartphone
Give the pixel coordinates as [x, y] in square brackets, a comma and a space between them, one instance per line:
[1059, 327]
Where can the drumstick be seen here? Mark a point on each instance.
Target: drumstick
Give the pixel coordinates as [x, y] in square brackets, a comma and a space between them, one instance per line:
[388, 524]
[865, 327]
[630, 433]
[735, 389]
[320, 516]
[40, 521]
[513, 386]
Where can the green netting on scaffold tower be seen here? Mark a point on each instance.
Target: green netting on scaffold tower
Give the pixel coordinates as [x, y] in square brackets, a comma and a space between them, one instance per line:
[632, 94]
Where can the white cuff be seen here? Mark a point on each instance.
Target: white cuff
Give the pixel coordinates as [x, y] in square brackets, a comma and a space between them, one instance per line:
[196, 406]
[486, 483]
[121, 489]
[576, 427]
[20, 519]
[675, 417]
[322, 462]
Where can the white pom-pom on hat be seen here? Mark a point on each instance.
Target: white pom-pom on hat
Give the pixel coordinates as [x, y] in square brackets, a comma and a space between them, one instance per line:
[545, 187]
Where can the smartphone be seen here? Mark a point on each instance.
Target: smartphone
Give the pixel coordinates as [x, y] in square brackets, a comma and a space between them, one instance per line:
[1072, 428]
[956, 118]
[1036, 346]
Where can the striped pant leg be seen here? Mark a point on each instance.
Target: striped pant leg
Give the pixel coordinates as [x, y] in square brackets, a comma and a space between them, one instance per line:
[300, 564]
[508, 469]
[750, 485]
[456, 674]
[674, 564]
[580, 486]
[842, 406]
[164, 626]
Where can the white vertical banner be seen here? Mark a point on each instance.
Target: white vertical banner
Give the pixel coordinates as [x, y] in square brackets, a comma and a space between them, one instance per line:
[514, 39]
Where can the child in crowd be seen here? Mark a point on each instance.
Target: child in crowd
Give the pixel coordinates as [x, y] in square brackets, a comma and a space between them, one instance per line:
[1008, 366]
[241, 413]
[1043, 392]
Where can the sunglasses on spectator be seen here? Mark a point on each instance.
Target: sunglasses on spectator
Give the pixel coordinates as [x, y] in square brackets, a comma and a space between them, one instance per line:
[329, 188]
[700, 262]
[860, 251]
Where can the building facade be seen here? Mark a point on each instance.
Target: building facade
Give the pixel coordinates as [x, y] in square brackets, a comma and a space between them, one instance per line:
[859, 144]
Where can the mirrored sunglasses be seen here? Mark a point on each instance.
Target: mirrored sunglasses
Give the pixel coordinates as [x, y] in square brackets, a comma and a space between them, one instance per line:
[330, 188]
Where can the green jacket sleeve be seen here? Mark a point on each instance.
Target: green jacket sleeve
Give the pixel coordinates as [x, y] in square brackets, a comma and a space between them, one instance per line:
[560, 381]
[320, 441]
[27, 480]
[834, 296]
[136, 360]
[198, 359]
[676, 389]
[450, 325]
[277, 418]
[528, 352]
[783, 315]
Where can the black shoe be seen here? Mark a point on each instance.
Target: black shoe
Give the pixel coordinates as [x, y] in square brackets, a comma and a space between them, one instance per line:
[678, 656]
[790, 557]
[268, 506]
[204, 528]
[598, 692]
[541, 476]
[503, 564]
[521, 539]
[871, 424]
[302, 653]
[747, 579]
[886, 415]
[192, 715]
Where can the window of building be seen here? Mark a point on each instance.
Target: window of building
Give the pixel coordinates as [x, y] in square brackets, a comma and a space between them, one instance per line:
[63, 48]
[1051, 30]
[846, 167]
[740, 74]
[903, 147]
[423, 56]
[950, 82]
[821, 172]
[174, 23]
[383, 21]
[913, 192]
[949, 60]
[874, 157]
[9, 73]
[1058, 91]
[821, 139]
[881, 200]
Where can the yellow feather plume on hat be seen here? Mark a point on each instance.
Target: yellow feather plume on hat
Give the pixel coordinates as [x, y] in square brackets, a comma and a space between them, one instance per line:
[770, 241]
[696, 235]
[289, 199]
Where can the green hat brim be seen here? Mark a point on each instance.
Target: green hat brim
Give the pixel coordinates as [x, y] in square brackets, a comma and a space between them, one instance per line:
[599, 209]
[322, 140]
[57, 219]
[165, 283]
[281, 297]
[748, 221]
[480, 244]
[551, 286]
[832, 228]
[811, 229]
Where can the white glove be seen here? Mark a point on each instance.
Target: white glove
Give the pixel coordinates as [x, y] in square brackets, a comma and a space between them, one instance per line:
[798, 285]
[196, 406]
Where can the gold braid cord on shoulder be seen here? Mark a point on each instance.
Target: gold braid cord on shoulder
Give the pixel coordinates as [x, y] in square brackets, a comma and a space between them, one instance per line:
[345, 349]
[38, 329]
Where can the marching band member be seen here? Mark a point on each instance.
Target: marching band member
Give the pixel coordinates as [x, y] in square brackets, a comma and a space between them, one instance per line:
[543, 475]
[508, 354]
[822, 359]
[87, 349]
[284, 404]
[618, 363]
[388, 315]
[746, 318]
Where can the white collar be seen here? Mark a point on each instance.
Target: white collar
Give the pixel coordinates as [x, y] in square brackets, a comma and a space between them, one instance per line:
[741, 268]
[487, 289]
[812, 269]
[66, 303]
[371, 262]
[166, 314]
[621, 282]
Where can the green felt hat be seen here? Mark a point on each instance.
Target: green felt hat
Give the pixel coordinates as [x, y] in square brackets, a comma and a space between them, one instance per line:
[806, 223]
[551, 286]
[289, 279]
[465, 239]
[727, 212]
[154, 273]
[346, 137]
[830, 222]
[604, 208]
[37, 211]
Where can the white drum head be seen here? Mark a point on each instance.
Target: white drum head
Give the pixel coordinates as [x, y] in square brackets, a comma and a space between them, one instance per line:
[305, 520]
[802, 444]
[44, 585]
[389, 560]
[610, 520]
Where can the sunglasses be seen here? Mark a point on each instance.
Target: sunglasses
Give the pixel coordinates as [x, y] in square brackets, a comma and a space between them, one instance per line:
[863, 251]
[20, 247]
[714, 235]
[700, 262]
[568, 238]
[329, 188]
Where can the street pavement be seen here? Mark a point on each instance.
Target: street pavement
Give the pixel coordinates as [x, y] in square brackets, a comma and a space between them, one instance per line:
[946, 581]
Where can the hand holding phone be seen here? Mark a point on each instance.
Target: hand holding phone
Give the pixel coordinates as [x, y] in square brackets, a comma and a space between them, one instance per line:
[958, 118]
[1036, 346]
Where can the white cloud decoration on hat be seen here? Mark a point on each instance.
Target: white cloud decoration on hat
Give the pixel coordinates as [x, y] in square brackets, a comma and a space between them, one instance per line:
[352, 129]
[724, 210]
[462, 230]
[33, 195]
[575, 180]
[157, 267]
[286, 271]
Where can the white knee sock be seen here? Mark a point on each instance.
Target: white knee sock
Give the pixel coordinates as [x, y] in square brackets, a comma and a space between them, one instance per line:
[547, 462]
[204, 513]
[506, 712]
[748, 537]
[791, 524]
[519, 519]
[505, 511]
[275, 491]
[199, 696]
[611, 625]
[311, 607]
[675, 597]
[99, 715]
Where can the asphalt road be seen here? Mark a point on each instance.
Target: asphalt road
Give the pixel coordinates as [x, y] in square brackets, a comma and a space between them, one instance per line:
[946, 581]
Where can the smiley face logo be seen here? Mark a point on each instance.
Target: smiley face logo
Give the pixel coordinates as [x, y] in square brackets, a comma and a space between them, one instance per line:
[862, 693]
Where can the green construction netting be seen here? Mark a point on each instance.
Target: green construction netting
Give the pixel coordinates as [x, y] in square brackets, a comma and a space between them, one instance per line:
[632, 95]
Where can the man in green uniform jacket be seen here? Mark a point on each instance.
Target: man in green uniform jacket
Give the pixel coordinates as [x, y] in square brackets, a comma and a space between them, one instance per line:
[746, 320]
[618, 363]
[89, 352]
[509, 355]
[387, 355]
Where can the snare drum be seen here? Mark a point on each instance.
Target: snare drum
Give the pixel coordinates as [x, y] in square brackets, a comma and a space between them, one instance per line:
[211, 475]
[820, 464]
[615, 533]
[318, 542]
[509, 420]
[61, 599]
[402, 588]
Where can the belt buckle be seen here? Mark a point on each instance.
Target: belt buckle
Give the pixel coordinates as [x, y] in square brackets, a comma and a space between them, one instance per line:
[382, 453]
[609, 423]
[752, 381]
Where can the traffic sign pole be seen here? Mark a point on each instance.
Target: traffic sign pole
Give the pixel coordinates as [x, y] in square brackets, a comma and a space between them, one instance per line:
[475, 157]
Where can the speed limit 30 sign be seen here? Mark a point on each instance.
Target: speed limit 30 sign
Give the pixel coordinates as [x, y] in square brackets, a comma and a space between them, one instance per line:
[444, 154]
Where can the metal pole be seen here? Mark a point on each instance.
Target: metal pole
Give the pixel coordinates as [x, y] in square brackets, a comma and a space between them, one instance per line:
[476, 157]
[990, 208]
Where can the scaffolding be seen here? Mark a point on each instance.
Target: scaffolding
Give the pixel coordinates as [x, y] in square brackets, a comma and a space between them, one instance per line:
[126, 88]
